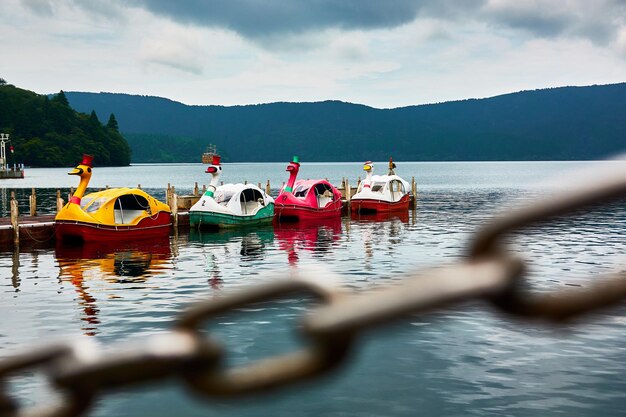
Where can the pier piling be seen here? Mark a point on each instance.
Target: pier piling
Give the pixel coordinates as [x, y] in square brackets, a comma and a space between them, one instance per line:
[60, 202]
[267, 188]
[14, 219]
[174, 208]
[33, 203]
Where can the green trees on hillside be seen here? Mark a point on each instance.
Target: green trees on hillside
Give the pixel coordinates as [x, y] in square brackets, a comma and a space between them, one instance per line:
[559, 123]
[47, 132]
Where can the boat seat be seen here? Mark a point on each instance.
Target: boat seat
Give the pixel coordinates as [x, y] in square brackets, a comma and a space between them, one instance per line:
[249, 207]
[127, 216]
[323, 200]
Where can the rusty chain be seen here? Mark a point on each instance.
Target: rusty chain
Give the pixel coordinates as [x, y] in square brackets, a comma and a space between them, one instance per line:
[81, 371]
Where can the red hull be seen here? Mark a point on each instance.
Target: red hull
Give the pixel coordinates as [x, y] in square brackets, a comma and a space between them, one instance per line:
[90, 232]
[307, 213]
[379, 206]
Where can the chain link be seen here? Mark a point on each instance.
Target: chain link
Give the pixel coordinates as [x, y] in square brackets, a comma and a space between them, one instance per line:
[82, 371]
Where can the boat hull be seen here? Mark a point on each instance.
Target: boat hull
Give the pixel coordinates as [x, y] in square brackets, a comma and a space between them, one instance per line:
[147, 228]
[367, 205]
[307, 213]
[202, 219]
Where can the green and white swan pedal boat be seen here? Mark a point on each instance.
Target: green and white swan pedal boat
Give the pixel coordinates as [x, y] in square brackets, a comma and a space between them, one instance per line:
[230, 205]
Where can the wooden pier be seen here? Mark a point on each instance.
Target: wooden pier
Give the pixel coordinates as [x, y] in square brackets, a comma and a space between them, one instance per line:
[16, 173]
[39, 229]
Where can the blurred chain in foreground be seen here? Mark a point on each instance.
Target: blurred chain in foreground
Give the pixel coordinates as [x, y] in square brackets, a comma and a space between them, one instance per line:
[82, 371]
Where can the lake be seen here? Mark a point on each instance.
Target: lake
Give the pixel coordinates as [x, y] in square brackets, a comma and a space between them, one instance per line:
[466, 361]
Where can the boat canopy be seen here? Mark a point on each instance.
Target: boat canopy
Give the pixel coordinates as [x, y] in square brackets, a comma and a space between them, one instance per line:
[241, 199]
[119, 205]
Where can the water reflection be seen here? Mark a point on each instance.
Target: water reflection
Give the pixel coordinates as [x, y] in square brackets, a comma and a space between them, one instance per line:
[252, 244]
[402, 216]
[317, 236]
[380, 231]
[113, 263]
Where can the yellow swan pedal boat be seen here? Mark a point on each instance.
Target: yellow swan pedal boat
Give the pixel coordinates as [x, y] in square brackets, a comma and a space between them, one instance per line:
[110, 215]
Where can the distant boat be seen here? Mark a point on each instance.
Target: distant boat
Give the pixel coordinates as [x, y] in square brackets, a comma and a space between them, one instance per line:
[207, 157]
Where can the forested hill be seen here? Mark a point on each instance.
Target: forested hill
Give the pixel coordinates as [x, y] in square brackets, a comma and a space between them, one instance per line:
[551, 124]
[47, 132]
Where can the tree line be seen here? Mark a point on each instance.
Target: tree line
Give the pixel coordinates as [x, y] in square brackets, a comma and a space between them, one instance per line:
[47, 132]
[563, 123]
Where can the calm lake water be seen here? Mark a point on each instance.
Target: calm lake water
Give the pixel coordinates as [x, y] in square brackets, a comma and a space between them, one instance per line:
[466, 361]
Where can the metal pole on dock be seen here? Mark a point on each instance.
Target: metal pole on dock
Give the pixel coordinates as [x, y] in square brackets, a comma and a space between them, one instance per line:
[14, 219]
[4, 138]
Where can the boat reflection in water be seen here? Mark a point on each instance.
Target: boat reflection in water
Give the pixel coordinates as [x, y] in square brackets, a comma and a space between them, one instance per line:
[316, 235]
[91, 267]
[401, 216]
[218, 245]
[380, 231]
[251, 242]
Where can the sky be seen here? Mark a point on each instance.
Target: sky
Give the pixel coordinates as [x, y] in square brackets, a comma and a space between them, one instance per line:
[383, 54]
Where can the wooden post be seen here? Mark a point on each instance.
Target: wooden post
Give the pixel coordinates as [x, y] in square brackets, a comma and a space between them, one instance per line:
[168, 193]
[358, 182]
[33, 203]
[174, 208]
[245, 182]
[259, 185]
[60, 202]
[14, 219]
[139, 186]
[195, 189]
[267, 188]
[414, 192]
[172, 194]
[106, 186]
[203, 188]
[348, 191]
[222, 182]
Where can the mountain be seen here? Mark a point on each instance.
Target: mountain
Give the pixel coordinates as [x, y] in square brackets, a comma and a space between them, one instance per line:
[47, 132]
[550, 124]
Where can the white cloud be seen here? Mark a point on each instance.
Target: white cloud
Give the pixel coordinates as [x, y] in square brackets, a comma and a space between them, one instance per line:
[447, 52]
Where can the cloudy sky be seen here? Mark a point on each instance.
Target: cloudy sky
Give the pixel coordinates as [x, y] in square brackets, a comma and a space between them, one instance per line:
[387, 53]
